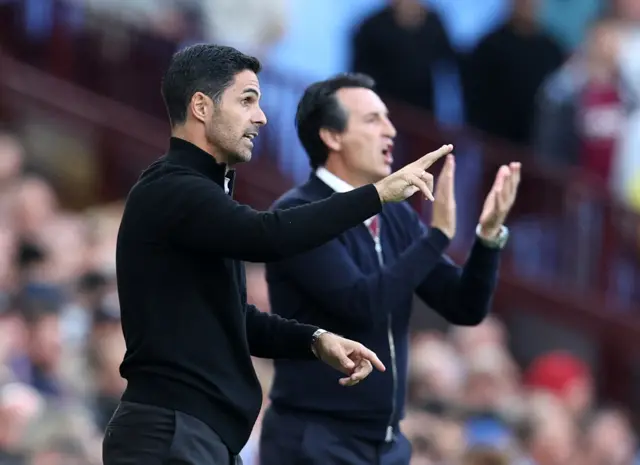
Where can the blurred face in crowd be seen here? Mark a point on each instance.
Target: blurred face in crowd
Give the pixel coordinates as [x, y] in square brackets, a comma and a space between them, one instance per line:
[491, 379]
[408, 6]
[362, 153]
[602, 48]
[12, 335]
[36, 205]
[64, 239]
[610, 440]
[434, 439]
[578, 396]
[526, 10]
[628, 10]
[553, 441]
[232, 123]
[45, 342]
[11, 158]
[7, 247]
[489, 333]
[436, 371]
[110, 347]
[19, 405]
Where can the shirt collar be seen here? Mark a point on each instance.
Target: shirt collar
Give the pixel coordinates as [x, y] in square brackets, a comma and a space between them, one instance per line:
[335, 183]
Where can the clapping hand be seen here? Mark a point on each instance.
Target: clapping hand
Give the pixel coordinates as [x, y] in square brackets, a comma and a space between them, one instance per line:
[500, 200]
[347, 356]
[444, 206]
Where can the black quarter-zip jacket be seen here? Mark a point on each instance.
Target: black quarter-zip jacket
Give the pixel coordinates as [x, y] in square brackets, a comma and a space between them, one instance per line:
[189, 331]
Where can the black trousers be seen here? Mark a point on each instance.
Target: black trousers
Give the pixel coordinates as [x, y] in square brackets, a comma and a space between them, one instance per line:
[141, 434]
[295, 439]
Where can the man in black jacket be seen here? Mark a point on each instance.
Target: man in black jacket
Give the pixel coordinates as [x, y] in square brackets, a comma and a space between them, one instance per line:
[192, 395]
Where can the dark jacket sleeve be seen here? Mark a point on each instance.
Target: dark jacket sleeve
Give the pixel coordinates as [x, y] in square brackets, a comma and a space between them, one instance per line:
[207, 220]
[271, 336]
[331, 277]
[462, 296]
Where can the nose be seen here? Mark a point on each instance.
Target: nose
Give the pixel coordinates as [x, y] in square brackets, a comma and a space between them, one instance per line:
[389, 129]
[259, 118]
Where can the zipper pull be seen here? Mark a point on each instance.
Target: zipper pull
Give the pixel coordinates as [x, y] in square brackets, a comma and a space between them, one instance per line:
[389, 435]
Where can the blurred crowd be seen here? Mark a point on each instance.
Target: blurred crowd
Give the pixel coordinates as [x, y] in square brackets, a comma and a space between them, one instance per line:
[520, 84]
[61, 344]
[566, 86]
[470, 402]
[60, 336]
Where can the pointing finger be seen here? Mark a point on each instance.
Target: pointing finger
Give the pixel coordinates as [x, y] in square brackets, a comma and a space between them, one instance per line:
[432, 157]
[367, 354]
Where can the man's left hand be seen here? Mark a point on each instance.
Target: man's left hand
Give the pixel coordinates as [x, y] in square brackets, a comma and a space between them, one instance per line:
[500, 200]
[349, 357]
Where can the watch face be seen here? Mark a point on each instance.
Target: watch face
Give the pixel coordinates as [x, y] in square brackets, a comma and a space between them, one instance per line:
[502, 238]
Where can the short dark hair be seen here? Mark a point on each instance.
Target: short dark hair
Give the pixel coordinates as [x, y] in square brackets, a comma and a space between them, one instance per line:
[205, 68]
[319, 108]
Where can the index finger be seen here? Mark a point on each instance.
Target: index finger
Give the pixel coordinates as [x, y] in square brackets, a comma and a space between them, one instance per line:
[429, 159]
[372, 357]
[515, 170]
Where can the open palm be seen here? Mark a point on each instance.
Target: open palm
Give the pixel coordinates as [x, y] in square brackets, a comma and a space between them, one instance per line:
[500, 199]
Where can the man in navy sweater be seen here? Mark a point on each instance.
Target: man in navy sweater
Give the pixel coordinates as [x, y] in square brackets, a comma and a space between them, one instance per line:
[361, 285]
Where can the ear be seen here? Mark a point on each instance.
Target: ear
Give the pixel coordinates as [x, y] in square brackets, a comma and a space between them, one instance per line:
[331, 139]
[201, 107]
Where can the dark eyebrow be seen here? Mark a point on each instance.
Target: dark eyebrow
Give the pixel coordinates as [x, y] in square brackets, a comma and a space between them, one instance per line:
[253, 91]
[377, 113]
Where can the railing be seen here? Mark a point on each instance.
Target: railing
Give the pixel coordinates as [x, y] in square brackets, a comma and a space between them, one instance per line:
[569, 276]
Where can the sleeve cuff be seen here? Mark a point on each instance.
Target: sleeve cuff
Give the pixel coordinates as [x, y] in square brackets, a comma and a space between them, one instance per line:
[438, 239]
[302, 338]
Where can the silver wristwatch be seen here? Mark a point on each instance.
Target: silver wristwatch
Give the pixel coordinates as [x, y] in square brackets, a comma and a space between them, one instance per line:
[496, 243]
[314, 338]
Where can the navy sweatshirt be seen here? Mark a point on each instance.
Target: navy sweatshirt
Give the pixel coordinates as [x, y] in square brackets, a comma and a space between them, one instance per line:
[342, 287]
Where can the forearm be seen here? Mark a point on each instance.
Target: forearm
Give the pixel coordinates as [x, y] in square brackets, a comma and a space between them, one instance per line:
[329, 275]
[213, 222]
[271, 336]
[463, 296]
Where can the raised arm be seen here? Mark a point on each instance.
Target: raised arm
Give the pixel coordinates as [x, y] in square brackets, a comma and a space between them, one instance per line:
[331, 278]
[212, 222]
[206, 220]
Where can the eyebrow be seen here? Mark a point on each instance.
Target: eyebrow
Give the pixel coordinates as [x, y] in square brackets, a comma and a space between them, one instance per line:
[251, 91]
[377, 113]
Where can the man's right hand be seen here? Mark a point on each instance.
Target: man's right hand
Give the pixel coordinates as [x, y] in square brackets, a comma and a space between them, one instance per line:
[444, 206]
[412, 178]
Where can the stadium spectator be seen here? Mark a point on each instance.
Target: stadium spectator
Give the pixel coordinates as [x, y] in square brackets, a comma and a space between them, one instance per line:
[399, 46]
[505, 71]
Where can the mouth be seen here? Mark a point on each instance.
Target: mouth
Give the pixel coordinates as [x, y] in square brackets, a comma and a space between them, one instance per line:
[387, 153]
[250, 136]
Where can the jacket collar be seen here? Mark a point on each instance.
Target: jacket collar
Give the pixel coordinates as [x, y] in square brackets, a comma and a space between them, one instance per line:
[184, 153]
